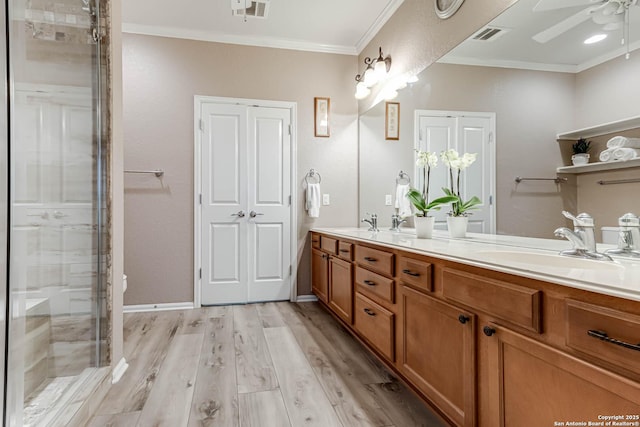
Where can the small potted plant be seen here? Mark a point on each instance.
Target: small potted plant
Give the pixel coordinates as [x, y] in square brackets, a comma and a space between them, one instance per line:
[458, 216]
[581, 152]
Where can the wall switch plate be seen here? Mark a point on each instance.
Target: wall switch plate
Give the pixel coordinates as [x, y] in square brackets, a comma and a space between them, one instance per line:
[326, 201]
[388, 201]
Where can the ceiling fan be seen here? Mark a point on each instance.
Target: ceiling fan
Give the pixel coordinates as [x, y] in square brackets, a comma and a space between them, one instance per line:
[611, 14]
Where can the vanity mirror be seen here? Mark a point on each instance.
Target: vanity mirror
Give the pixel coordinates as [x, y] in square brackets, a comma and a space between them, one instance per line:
[536, 90]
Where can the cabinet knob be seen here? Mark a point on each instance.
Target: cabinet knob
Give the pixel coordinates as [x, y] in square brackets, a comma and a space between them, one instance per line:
[488, 331]
[463, 319]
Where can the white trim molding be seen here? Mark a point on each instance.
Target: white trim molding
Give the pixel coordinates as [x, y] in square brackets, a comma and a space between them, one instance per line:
[119, 370]
[272, 42]
[141, 308]
[377, 25]
[306, 298]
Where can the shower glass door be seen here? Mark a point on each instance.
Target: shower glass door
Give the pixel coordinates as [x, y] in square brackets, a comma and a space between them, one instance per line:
[56, 205]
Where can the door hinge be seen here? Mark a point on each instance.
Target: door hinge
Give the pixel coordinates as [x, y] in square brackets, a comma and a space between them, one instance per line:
[289, 129]
[200, 273]
[201, 125]
[289, 200]
[490, 200]
[200, 198]
[490, 137]
[290, 270]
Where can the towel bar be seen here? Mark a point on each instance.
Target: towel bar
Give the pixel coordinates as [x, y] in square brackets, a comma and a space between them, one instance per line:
[619, 181]
[557, 179]
[157, 172]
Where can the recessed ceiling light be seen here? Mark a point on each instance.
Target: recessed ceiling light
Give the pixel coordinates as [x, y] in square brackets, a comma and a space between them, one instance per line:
[595, 39]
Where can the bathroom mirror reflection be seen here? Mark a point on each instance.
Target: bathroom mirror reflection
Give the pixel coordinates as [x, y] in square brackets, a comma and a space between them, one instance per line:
[536, 90]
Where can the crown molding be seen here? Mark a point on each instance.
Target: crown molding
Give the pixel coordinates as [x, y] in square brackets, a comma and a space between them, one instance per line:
[181, 33]
[521, 65]
[377, 25]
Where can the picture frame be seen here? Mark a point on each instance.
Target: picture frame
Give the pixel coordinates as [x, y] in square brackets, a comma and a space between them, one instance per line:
[392, 121]
[321, 114]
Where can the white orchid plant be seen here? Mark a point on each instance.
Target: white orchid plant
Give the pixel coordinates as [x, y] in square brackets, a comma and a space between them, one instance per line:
[420, 199]
[458, 163]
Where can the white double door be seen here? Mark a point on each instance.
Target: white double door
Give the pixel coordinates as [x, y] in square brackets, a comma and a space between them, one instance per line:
[466, 132]
[245, 210]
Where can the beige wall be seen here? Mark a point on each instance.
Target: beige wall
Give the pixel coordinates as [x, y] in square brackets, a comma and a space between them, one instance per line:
[415, 37]
[161, 77]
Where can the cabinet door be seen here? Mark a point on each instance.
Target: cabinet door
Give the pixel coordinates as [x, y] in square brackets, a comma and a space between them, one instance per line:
[341, 288]
[536, 385]
[320, 274]
[437, 353]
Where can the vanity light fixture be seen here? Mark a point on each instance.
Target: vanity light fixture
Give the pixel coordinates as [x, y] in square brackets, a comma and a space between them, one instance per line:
[595, 39]
[376, 70]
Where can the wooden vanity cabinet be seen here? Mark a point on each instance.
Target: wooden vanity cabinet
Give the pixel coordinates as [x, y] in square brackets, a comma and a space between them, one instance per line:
[332, 279]
[320, 275]
[437, 353]
[532, 384]
[485, 348]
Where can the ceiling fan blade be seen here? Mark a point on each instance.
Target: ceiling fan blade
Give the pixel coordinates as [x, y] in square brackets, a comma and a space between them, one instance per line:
[563, 26]
[544, 5]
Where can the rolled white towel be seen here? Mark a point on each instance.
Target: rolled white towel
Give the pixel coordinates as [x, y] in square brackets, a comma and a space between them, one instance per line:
[402, 202]
[606, 155]
[623, 142]
[625, 153]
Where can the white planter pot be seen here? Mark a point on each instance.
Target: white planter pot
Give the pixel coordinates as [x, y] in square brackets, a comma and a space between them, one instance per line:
[457, 226]
[424, 226]
[580, 159]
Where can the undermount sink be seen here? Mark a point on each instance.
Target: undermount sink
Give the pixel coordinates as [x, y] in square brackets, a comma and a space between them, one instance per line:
[549, 260]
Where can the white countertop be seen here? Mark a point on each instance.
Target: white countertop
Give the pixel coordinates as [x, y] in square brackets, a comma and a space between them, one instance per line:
[523, 256]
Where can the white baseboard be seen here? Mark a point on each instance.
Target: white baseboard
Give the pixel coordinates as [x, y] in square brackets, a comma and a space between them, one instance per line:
[119, 370]
[306, 298]
[157, 307]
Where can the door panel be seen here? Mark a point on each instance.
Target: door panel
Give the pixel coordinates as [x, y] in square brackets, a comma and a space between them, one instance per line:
[465, 134]
[224, 195]
[245, 168]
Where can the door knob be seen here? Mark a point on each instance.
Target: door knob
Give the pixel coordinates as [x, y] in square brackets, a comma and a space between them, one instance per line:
[239, 214]
[254, 214]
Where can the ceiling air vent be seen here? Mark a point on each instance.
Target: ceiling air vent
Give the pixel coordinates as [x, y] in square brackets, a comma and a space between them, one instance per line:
[489, 34]
[258, 9]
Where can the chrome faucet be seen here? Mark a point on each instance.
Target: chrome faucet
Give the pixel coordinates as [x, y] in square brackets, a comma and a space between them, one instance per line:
[396, 220]
[582, 236]
[628, 237]
[373, 222]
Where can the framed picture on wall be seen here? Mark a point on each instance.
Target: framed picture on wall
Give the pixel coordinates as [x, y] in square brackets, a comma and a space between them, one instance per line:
[321, 116]
[392, 121]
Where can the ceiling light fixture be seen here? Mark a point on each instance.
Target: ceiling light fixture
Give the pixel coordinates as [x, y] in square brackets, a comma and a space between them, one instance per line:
[595, 39]
[375, 72]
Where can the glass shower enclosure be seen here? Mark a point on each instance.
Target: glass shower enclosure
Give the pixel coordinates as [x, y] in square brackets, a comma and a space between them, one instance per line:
[52, 167]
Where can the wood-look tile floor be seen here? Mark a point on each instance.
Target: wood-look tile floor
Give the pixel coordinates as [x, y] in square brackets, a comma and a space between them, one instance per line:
[273, 364]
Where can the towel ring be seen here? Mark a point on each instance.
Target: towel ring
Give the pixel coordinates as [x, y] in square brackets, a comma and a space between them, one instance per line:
[403, 175]
[313, 174]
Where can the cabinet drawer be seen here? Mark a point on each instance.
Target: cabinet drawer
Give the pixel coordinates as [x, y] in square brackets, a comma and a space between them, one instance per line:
[345, 251]
[376, 325]
[513, 304]
[328, 244]
[591, 329]
[370, 283]
[375, 259]
[415, 272]
[315, 240]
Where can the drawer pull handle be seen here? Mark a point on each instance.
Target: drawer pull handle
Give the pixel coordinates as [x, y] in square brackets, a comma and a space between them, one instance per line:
[488, 331]
[411, 273]
[315, 241]
[601, 335]
[369, 282]
[369, 312]
[368, 258]
[463, 319]
[344, 251]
